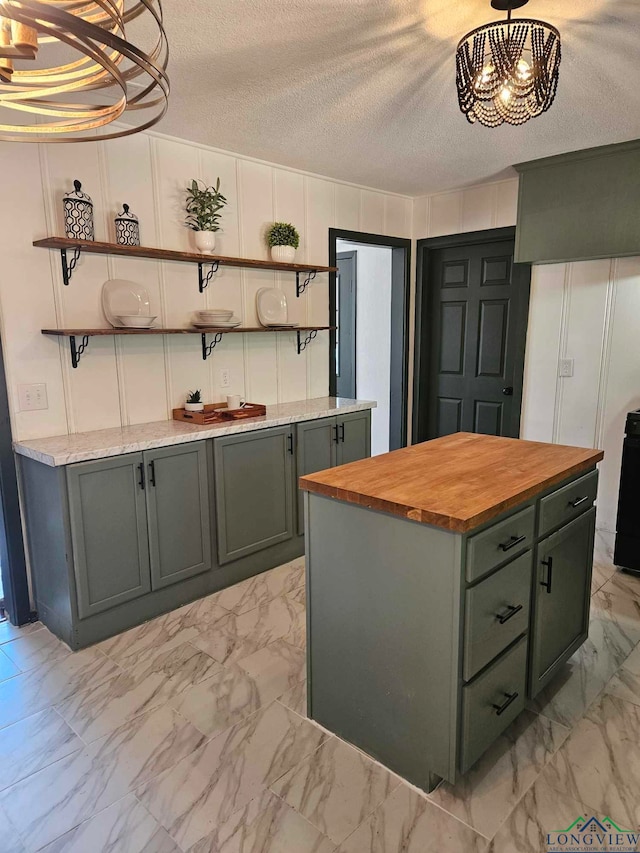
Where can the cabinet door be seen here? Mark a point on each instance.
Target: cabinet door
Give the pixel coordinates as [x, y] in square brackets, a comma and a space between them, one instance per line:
[254, 491]
[354, 434]
[108, 520]
[562, 596]
[316, 443]
[179, 512]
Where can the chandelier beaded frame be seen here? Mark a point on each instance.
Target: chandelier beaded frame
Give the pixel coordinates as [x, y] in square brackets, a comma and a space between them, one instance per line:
[53, 95]
[507, 71]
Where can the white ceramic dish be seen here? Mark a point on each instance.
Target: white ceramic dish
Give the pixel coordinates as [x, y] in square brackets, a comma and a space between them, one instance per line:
[133, 321]
[122, 298]
[271, 305]
[218, 324]
[281, 325]
[219, 314]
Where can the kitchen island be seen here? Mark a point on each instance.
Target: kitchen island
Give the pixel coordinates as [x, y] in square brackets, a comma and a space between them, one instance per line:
[446, 583]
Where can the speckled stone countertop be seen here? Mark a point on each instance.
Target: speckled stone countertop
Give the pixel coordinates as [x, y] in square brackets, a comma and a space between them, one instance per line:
[99, 444]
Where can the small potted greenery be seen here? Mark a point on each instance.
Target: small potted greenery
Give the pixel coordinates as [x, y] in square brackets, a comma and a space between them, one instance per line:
[203, 208]
[194, 402]
[283, 239]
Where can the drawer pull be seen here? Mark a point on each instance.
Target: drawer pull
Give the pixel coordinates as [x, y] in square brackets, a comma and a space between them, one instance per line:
[500, 709]
[578, 501]
[549, 564]
[511, 611]
[513, 541]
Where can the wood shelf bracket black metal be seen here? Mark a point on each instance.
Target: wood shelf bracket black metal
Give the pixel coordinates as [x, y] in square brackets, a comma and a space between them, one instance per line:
[301, 286]
[68, 268]
[77, 350]
[303, 344]
[207, 349]
[205, 278]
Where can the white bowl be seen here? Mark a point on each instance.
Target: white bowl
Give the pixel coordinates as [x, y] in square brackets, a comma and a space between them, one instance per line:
[220, 315]
[134, 321]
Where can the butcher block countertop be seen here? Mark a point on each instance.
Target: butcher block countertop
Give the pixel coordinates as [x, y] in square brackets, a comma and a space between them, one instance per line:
[457, 482]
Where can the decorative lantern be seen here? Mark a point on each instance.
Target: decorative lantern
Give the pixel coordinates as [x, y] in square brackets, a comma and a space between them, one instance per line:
[127, 228]
[78, 214]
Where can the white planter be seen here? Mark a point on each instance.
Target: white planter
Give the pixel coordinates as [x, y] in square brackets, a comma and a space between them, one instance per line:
[194, 407]
[205, 241]
[283, 254]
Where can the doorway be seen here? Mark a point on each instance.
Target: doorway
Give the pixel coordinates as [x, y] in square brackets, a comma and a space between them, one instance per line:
[369, 305]
[472, 305]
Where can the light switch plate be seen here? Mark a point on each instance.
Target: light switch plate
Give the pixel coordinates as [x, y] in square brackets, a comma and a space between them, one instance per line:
[565, 367]
[32, 397]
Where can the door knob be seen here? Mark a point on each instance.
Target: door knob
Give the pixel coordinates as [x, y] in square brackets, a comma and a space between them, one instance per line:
[508, 391]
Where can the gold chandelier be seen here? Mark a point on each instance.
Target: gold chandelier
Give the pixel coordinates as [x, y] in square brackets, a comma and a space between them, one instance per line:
[54, 54]
[507, 71]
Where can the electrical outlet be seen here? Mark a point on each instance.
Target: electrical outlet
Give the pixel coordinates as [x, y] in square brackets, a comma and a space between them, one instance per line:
[225, 377]
[565, 367]
[32, 397]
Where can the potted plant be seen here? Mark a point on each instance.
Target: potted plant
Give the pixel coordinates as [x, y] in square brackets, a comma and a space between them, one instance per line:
[203, 213]
[194, 402]
[283, 240]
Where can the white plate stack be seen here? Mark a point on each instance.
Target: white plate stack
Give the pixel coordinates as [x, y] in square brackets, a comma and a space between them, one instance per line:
[216, 318]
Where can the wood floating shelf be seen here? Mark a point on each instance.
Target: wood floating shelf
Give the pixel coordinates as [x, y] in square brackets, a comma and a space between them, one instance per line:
[304, 335]
[305, 273]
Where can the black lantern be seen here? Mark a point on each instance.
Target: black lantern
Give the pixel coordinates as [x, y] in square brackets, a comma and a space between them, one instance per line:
[127, 228]
[78, 214]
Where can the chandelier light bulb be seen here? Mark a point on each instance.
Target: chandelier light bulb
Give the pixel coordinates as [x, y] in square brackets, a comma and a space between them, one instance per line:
[507, 71]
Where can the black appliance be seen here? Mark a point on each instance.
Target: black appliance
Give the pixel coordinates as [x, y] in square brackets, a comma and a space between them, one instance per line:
[627, 551]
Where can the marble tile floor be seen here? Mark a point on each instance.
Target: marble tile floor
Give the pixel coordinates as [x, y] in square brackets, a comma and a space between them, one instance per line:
[188, 734]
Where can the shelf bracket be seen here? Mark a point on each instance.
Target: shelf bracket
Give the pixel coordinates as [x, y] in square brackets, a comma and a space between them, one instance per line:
[205, 278]
[303, 344]
[207, 349]
[68, 268]
[302, 286]
[77, 350]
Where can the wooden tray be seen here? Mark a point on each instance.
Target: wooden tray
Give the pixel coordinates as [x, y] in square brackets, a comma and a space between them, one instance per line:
[211, 416]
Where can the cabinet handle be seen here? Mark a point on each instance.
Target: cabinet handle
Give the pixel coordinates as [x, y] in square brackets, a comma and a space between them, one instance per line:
[290, 443]
[513, 541]
[335, 433]
[152, 473]
[578, 501]
[511, 611]
[500, 709]
[342, 432]
[549, 564]
[141, 470]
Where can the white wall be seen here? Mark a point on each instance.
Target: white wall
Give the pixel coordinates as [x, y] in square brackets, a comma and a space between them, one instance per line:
[132, 380]
[588, 311]
[373, 336]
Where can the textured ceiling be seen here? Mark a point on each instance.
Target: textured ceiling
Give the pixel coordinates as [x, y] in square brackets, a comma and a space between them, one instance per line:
[364, 90]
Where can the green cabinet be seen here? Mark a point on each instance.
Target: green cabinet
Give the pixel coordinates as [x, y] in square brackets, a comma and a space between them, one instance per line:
[328, 442]
[108, 520]
[316, 450]
[138, 523]
[561, 598]
[354, 437]
[254, 474]
[178, 512]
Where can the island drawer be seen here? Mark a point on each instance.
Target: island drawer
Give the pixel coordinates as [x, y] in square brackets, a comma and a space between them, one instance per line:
[568, 503]
[496, 613]
[492, 702]
[500, 542]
